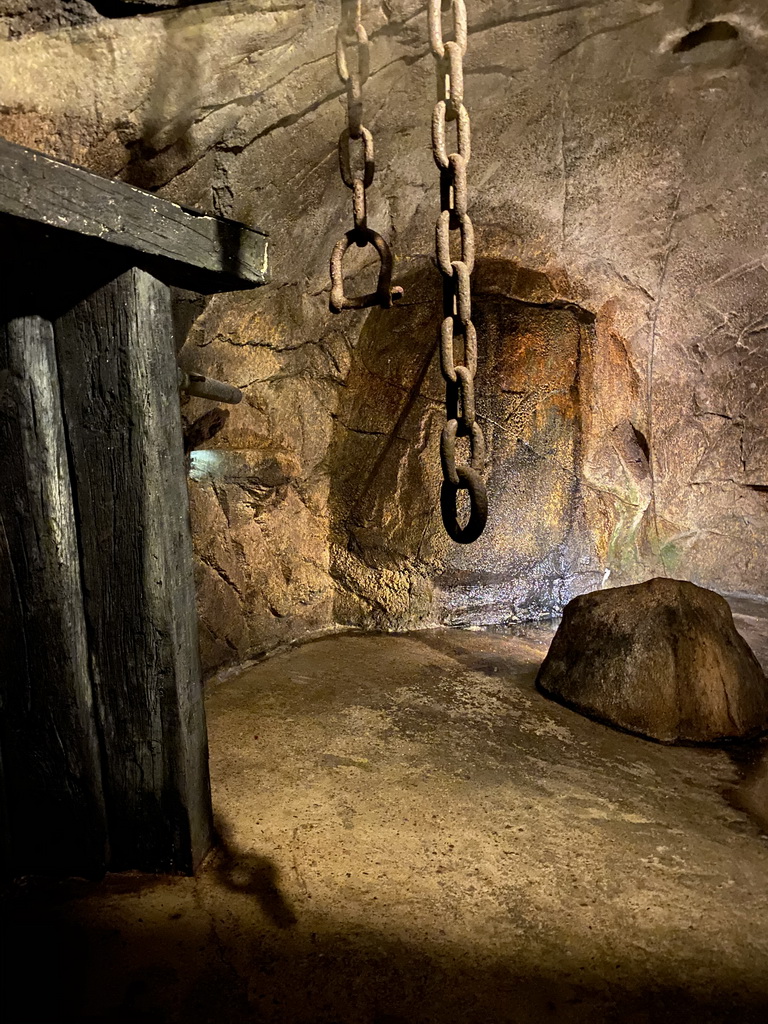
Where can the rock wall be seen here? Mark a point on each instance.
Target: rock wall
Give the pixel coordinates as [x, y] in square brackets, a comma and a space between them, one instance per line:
[620, 201]
[17, 17]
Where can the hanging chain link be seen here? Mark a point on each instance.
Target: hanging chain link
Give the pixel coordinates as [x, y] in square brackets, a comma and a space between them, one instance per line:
[351, 35]
[457, 301]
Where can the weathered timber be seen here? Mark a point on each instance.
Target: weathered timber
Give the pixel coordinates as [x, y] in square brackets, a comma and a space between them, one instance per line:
[54, 810]
[180, 246]
[123, 424]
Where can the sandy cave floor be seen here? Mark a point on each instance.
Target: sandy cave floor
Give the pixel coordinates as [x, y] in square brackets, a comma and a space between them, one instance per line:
[412, 833]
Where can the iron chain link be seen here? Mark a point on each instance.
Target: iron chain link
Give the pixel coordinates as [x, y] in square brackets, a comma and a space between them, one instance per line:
[351, 37]
[457, 323]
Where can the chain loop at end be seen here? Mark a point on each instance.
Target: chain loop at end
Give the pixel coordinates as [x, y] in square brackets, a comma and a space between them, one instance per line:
[470, 481]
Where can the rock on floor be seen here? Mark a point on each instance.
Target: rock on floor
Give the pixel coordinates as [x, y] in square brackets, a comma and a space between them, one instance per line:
[662, 659]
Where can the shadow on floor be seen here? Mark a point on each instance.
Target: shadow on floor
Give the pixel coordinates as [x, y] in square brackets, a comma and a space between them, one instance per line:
[250, 874]
[68, 960]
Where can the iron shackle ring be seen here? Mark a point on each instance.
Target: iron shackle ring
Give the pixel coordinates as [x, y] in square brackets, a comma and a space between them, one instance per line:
[384, 295]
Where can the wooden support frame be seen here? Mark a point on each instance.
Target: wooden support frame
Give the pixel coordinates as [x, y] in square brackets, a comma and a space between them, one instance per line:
[103, 745]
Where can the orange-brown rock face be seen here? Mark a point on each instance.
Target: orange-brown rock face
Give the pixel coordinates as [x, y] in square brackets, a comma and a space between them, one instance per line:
[387, 518]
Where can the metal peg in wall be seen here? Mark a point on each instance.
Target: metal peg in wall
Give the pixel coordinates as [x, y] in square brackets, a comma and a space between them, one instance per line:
[206, 387]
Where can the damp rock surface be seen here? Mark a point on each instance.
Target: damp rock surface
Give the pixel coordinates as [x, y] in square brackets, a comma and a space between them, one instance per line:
[618, 193]
[662, 659]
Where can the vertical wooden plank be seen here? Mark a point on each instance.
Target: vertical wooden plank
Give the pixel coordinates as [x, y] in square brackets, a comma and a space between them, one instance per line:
[54, 813]
[120, 392]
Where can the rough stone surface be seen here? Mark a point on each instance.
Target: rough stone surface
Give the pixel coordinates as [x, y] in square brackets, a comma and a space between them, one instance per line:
[620, 204]
[661, 658]
[415, 835]
[17, 17]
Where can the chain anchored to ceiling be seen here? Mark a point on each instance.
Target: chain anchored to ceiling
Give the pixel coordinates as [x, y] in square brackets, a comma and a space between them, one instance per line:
[457, 301]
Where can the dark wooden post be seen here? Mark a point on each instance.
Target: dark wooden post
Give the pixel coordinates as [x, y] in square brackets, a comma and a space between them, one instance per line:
[102, 730]
[124, 434]
[50, 749]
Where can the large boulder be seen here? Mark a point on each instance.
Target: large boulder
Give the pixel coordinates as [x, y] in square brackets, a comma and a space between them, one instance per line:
[662, 659]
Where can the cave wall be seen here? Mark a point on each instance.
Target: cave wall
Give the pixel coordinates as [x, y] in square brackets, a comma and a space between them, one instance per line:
[18, 17]
[620, 200]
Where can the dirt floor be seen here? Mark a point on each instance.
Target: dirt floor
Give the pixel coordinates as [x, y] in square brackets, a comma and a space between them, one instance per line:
[411, 833]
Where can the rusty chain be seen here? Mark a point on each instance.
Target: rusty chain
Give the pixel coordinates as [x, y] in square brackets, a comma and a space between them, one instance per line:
[350, 35]
[457, 302]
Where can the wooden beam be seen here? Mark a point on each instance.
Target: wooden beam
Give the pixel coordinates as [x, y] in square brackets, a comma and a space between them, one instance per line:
[54, 813]
[178, 245]
[123, 424]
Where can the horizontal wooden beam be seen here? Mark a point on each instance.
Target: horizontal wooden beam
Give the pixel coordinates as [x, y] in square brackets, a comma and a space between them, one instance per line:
[182, 246]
